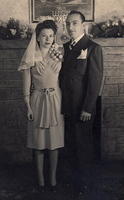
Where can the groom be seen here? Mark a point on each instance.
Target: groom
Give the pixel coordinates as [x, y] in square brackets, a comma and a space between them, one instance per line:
[80, 81]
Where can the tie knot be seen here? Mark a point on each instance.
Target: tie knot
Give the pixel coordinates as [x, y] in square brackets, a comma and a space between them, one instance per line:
[72, 44]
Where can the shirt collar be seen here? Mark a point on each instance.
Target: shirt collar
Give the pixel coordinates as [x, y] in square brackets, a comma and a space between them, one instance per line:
[77, 39]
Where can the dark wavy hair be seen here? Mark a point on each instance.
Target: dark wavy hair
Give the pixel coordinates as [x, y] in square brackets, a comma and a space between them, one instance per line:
[73, 12]
[47, 24]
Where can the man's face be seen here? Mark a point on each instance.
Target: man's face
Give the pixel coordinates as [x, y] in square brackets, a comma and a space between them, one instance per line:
[74, 25]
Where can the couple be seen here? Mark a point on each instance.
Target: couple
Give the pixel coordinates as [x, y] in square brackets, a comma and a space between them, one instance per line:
[78, 74]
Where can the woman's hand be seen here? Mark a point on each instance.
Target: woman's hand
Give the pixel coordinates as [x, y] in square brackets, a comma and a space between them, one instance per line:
[30, 114]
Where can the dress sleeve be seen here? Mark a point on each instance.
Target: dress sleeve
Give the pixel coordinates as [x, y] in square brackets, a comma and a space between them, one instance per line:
[26, 79]
[24, 65]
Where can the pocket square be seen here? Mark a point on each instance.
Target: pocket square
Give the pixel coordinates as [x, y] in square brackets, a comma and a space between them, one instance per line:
[83, 54]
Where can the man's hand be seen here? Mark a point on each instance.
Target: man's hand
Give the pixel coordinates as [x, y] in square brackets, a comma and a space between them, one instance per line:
[85, 116]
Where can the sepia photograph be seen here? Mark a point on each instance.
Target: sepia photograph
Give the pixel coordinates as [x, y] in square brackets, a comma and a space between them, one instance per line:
[62, 100]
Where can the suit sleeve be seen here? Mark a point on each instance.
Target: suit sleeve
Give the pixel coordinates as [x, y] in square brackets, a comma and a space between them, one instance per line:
[95, 74]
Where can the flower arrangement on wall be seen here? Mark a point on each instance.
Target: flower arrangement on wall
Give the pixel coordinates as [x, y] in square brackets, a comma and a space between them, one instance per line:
[13, 29]
[111, 28]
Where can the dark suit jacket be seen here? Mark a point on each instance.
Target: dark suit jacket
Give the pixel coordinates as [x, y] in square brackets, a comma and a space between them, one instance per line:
[80, 79]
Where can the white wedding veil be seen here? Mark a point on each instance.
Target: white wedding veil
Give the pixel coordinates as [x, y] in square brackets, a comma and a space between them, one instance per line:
[31, 54]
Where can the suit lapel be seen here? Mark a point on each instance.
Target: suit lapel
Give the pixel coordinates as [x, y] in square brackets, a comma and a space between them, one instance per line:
[83, 43]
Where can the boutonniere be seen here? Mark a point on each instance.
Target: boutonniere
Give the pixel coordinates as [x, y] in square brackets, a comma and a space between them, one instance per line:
[83, 54]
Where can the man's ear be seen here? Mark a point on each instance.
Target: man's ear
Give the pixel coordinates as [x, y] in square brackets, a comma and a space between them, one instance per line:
[83, 24]
[84, 27]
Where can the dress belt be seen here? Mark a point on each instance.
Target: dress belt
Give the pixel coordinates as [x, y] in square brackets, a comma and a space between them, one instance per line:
[45, 90]
[48, 113]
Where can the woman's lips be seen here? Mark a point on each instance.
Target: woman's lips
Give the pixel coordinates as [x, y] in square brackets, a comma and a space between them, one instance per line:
[47, 43]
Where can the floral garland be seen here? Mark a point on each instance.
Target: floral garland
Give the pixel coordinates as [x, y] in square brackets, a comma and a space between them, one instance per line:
[13, 29]
[111, 28]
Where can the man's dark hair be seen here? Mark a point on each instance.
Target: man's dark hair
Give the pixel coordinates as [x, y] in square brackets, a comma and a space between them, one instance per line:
[47, 24]
[73, 12]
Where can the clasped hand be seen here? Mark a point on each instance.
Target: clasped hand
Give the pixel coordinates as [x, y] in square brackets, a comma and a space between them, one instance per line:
[85, 116]
[30, 114]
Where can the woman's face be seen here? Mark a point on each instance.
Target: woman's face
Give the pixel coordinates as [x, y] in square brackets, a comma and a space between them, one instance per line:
[46, 38]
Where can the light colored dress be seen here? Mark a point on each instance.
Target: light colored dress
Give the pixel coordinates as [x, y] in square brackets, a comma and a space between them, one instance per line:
[46, 131]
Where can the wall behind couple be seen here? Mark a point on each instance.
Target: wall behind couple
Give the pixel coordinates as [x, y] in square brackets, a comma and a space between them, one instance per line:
[20, 9]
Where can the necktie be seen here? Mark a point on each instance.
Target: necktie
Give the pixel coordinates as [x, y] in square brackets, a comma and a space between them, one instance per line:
[72, 44]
